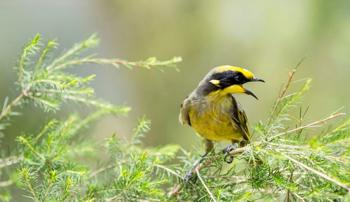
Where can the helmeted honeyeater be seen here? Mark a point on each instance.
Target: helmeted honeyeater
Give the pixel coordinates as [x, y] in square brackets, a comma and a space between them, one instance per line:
[212, 110]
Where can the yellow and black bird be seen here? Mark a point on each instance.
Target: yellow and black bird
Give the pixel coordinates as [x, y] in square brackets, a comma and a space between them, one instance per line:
[212, 110]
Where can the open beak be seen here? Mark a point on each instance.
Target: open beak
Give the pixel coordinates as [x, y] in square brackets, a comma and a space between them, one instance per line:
[248, 92]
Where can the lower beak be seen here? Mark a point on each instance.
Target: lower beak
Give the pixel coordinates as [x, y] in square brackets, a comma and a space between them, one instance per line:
[248, 92]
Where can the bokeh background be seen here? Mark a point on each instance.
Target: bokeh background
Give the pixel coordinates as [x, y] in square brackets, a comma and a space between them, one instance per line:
[268, 37]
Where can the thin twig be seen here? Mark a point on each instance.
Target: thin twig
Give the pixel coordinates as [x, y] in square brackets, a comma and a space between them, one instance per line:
[168, 170]
[6, 183]
[175, 191]
[239, 150]
[310, 125]
[205, 186]
[300, 164]
[5, 112]
[232, 183]
[112, 198]
[93, 174]
[285, 89]
[10, 161]
[288, 190]
[299, 197]
[31, 189]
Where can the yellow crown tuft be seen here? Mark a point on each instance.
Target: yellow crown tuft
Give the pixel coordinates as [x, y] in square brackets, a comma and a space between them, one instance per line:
[245, 72]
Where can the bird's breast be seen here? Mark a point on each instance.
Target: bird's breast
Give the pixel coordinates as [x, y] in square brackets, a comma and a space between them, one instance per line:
[212, 119]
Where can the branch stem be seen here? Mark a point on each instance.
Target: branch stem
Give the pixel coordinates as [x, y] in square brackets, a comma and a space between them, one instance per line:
[310, 125]
[205, 186]
[284, 90]
[7, 109]
[6, 183]
[10, 161]
[300, 164]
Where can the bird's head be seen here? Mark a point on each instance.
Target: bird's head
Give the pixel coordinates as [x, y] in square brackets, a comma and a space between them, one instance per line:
[228, 80]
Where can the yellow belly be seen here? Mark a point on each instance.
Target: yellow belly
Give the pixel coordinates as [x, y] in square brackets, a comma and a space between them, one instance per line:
[215, 123]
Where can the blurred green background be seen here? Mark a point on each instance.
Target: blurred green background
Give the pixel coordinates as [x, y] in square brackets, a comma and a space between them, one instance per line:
[268, 37]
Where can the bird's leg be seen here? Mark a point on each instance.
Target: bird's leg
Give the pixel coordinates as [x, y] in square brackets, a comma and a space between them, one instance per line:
[228, 158]
[208, 148]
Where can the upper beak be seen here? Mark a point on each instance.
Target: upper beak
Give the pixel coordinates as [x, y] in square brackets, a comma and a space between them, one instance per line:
[248, 92]
[257, 79]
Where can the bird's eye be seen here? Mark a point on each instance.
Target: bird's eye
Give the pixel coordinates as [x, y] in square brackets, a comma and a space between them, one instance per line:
[239, 78]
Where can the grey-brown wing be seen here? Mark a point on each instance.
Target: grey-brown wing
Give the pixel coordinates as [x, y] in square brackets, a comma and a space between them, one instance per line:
[240, 119]
[184, 117]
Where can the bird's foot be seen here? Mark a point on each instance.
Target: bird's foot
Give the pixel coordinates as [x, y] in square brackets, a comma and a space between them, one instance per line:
[190, 177]
[230, 148]
[228, 158]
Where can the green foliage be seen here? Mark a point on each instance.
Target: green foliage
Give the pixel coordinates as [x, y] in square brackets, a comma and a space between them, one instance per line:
[50, 173]
[134, 173]
[49, 168]
[288, 160]
[44, 81]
